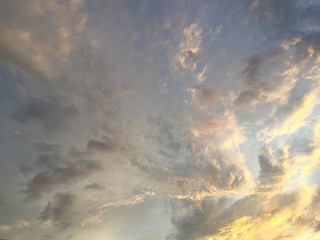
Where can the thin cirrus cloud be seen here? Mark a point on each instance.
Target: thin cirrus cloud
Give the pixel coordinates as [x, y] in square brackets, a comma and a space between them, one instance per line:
[164, 120]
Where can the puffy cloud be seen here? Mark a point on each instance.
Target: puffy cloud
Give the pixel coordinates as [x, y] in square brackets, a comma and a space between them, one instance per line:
[59, 211]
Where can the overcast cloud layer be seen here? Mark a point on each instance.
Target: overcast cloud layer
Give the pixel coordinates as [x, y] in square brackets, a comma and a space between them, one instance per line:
[163, 120]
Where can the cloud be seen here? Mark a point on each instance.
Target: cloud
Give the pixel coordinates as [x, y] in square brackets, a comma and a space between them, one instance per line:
[252, 70]
[95, 186]
[59, 211]
[296, 117]
[125, 202]
[199, 218]
[58, 173]
[203, 97]
[271, 171]
[294, 19]
[197, 155]
[201, 75]
[267, 78]
[196, 164]
[46, 147]
[33, 49]
[206, 218]
[246, 98]
[279, 207]
[293, 24]
[283, 215]
[49, 160]
[48, 112]
[94, 219]
[276, 221]
[10, 51]
[99, 146]
[189, 48]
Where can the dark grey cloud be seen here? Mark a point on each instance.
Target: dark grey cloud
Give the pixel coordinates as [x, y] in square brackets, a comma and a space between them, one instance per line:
[268, 166]
[252, 69]
[46, 147]
[292, 19]
[254, 65]
[102, 146]
[59, 210]
[283, 16]
[301, 21]
[58, 173]
[49, 160]
[48, 112]
[271, 170]
[95, 186]
[245, 98]
[189, 58]
[255, 84]
[25, 170]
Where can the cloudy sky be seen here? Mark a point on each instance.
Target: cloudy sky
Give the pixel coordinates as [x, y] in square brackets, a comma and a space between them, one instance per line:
[163, 120]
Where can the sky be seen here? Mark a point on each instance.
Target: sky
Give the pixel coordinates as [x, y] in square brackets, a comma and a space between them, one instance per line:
[163, 120]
